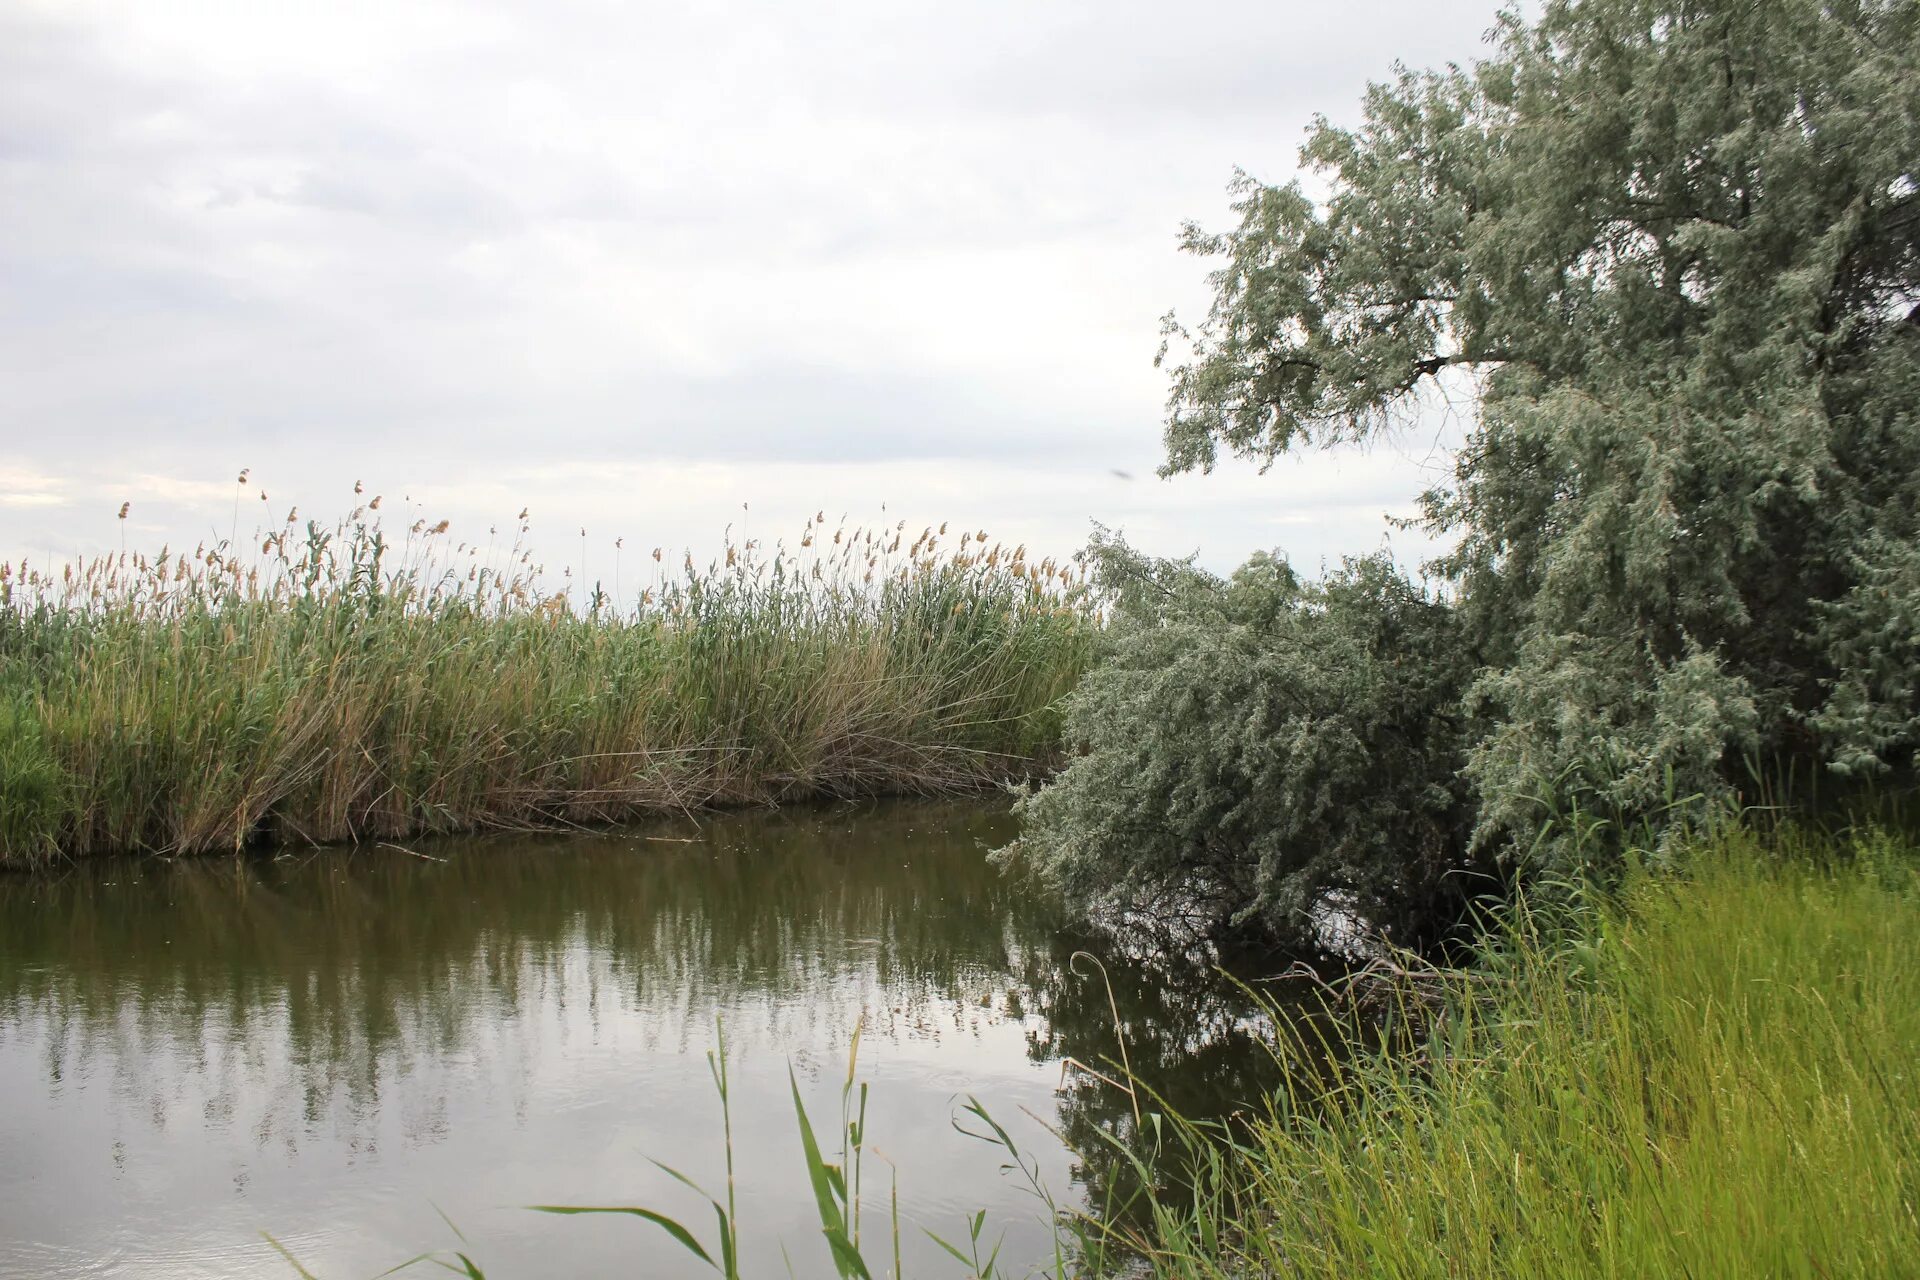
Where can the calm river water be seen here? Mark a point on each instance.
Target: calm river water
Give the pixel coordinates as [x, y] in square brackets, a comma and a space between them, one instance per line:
[338, 1047]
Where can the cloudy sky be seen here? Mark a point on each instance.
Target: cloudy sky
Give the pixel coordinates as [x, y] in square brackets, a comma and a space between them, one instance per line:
[635, 265]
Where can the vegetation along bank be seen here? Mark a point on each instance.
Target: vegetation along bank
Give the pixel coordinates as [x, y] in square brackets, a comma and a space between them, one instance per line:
[338, 687]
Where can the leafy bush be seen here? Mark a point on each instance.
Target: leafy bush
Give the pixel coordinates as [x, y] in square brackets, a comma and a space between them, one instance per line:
[1260, 750]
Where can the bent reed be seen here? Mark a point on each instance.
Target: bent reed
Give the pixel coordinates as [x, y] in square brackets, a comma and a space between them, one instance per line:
[340, 686]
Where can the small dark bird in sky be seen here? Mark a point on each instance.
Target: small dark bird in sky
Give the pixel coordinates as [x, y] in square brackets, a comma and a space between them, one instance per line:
[1124, 475]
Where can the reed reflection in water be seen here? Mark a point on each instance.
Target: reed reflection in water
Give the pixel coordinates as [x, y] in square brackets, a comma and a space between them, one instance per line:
[328, 1046]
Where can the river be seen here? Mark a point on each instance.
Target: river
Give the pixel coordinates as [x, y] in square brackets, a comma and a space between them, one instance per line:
[371, 1053]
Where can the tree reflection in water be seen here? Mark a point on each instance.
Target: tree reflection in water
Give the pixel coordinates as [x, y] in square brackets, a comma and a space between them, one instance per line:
[363, 1000]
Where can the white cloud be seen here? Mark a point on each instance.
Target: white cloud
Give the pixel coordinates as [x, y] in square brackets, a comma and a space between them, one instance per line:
[24, 485]
[889, 252]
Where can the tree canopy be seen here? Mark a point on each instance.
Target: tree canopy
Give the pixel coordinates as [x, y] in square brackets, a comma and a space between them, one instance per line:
[1673, 249]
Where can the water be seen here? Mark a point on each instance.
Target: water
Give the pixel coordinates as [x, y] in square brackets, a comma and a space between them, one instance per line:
[339, 1047]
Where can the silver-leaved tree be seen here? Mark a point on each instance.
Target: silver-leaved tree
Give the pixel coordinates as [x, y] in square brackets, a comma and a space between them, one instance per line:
[1673, 249]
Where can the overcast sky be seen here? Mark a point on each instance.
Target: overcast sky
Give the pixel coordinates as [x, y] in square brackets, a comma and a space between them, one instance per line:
[635, 265]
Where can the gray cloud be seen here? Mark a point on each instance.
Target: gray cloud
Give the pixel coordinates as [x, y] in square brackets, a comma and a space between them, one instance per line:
[452, 242]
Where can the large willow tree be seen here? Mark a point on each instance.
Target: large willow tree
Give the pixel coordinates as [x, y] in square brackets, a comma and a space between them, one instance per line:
[1673, 248]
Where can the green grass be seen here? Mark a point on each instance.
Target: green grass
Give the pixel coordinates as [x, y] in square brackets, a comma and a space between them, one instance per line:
[336, 686]
[1712, 1075]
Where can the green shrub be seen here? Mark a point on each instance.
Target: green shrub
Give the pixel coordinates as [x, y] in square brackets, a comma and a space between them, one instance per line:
[1259, 750]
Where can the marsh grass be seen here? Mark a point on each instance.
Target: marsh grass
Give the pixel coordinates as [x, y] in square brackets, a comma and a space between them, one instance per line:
[331, 684]
[1711, 1074]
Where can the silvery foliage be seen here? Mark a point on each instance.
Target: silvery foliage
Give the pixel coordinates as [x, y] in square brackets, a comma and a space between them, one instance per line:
[1674, 250]
[1251, 749]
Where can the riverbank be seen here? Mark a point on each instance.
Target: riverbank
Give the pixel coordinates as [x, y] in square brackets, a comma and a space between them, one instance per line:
[1712, 1075]
[337, 686]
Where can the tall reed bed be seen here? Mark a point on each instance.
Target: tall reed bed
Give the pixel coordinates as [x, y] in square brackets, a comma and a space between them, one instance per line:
[328, 684]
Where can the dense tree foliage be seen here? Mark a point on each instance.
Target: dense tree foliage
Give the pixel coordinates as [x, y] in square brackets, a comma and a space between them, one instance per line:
[1251, 745]
[1673, 248]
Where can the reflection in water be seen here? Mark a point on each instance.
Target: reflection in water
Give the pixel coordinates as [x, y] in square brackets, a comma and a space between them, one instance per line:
[329, 1045]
